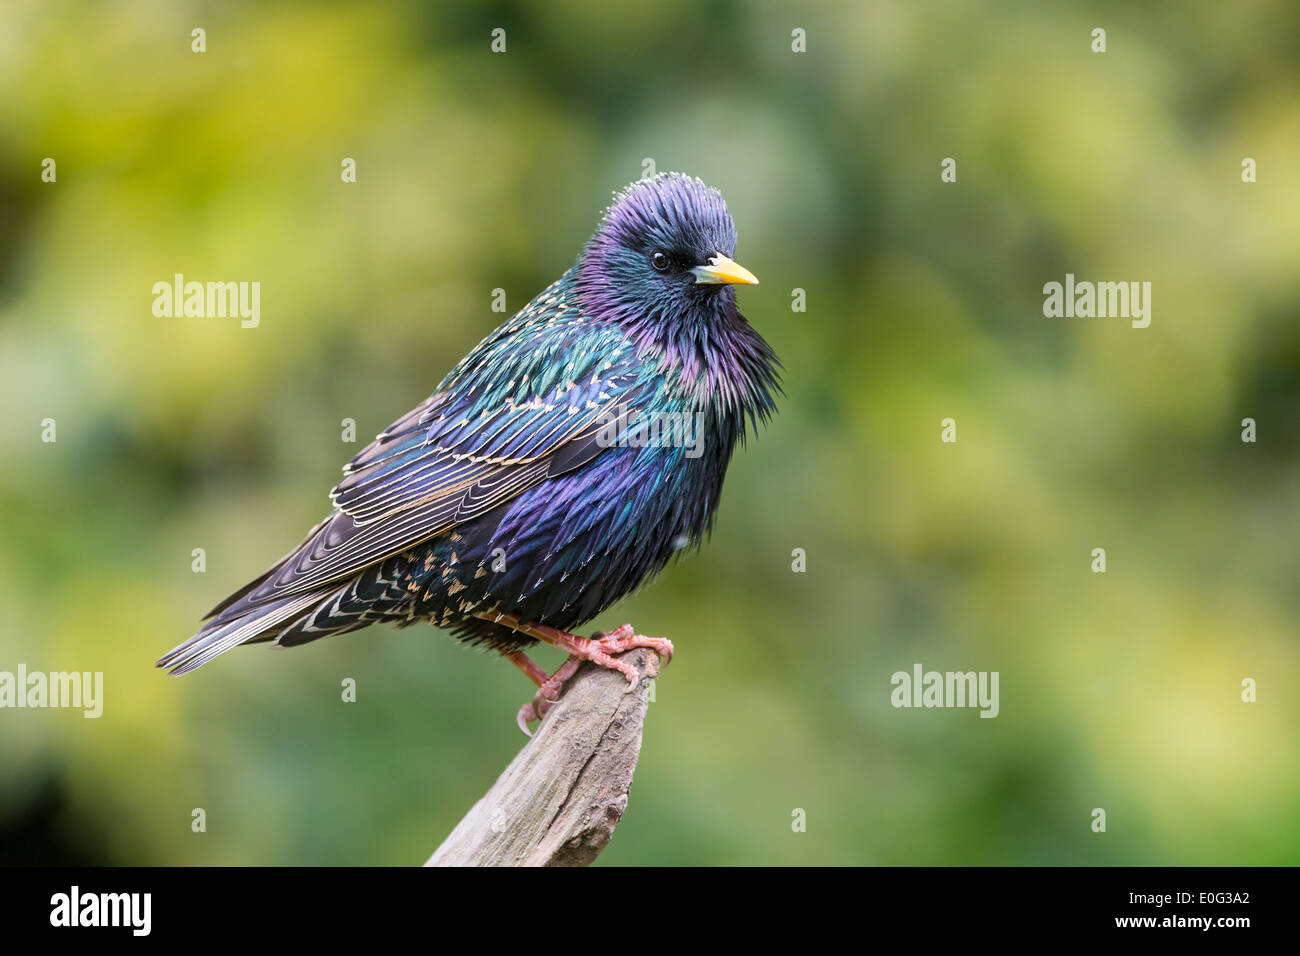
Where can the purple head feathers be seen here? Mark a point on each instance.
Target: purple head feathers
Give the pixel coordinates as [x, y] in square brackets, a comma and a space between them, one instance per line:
[659, 265]
[672, 211]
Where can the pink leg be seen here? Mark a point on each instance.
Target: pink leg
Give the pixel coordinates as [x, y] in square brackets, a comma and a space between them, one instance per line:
[525, 664]
[599, 650]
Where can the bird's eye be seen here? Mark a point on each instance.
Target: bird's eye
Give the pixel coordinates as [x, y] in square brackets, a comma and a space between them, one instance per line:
[659, 261]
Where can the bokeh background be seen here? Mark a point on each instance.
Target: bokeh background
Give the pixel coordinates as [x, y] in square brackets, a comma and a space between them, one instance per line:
[479, 171]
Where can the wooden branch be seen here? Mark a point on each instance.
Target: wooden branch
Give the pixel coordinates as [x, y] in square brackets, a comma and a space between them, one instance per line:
[558, 801]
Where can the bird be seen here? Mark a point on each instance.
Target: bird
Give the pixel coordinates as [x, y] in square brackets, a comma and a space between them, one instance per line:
[557, 468]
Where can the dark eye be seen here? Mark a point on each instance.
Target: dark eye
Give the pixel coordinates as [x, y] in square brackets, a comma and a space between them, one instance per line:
[659, 261]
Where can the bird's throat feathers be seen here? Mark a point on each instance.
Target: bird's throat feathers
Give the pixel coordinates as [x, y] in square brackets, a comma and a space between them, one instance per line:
[716, 361]
[708, 353]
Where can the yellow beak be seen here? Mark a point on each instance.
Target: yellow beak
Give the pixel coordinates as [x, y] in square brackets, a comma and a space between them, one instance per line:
[723, 271]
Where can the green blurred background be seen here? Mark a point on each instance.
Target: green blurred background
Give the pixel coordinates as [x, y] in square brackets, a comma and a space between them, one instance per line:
[479, 170]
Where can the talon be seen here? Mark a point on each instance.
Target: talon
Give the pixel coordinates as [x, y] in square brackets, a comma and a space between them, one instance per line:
[526, 714]
[549, 691]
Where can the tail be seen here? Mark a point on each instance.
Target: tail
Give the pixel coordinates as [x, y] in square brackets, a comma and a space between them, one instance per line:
[376, 594]
[262, 623]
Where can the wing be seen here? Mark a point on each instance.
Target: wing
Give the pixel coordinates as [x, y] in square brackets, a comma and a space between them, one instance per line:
[445, 462]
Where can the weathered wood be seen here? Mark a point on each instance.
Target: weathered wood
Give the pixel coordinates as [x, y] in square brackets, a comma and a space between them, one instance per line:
[558, 801]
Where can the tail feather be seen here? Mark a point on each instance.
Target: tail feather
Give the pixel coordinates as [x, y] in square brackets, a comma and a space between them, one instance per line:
[217, 637]
[378, 593]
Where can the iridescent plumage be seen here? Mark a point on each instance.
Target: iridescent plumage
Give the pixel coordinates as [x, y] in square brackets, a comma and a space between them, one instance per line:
[518, 488]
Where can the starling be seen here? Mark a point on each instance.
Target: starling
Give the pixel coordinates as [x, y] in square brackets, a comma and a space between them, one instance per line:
[556, 469]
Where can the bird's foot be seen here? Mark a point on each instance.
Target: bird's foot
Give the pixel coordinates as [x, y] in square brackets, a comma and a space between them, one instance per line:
[599, 649]
[548, 692]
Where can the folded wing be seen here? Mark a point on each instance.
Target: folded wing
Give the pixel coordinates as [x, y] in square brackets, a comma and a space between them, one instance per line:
[438, 466]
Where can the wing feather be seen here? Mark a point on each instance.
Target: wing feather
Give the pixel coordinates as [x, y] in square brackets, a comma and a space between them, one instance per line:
[443, 464]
